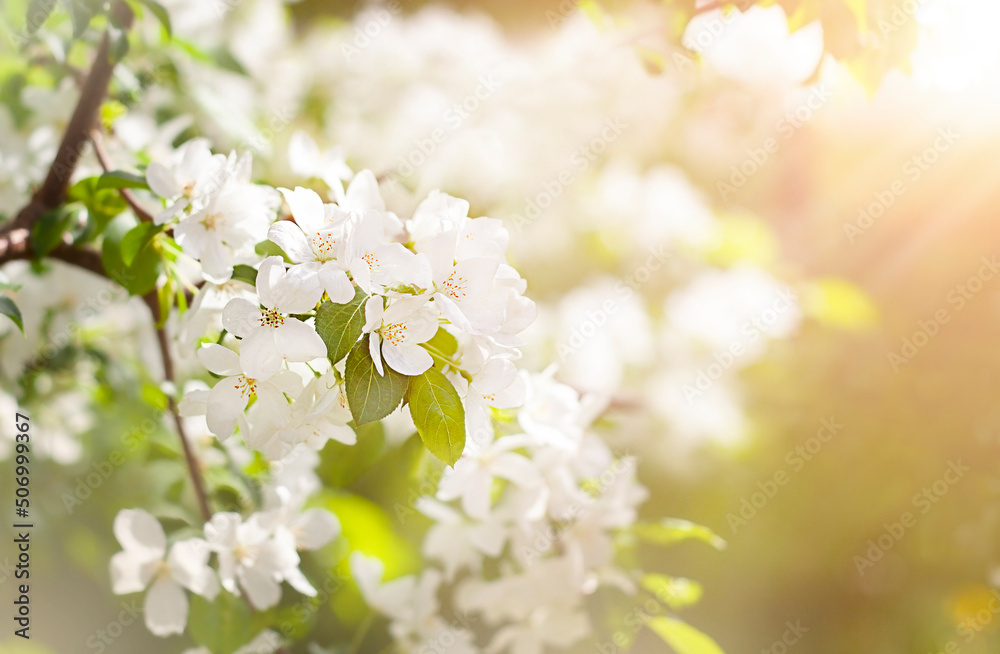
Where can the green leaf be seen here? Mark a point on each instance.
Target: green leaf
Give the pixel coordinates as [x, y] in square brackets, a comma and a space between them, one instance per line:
[444, 342]
[682, 637]
[671, 530]
[340, 325]
[222, 625]
[245, 273]
[48, 232]
[161, 15]
[102, 205]
[136, 241]
[121, 179]
[676, 592]
[370, 395]
[138, 278]
[38, 13]
[438, 414]
[9, 309]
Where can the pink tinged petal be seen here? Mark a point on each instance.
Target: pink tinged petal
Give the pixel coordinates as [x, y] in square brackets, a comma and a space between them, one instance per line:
[220, 360]
[226, 403]
[289, 237]
[166, 608]
[260, 357]
[161, 180]
[298, 342]
[131, 573]
[315, 528]
[376, 354]
[335, 283]
[140, 533]
[269, 277]
[307, 208]
[407, 358]
[240, 317]
[188, 562]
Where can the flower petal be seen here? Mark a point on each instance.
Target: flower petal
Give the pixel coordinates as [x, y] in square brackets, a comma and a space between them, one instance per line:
[307, 208]
[240, 317]
[298, 342]
[260, 357]
[188, 561]
[166, 608]
[220, 360]
[141, 533]
[407, 358]
[289, 237]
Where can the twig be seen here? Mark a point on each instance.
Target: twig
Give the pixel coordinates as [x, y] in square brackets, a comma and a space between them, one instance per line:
[194, 468]
[127, 194]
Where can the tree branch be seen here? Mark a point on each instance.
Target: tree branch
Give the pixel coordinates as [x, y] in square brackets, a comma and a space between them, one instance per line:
[127, 194]
[194, 468]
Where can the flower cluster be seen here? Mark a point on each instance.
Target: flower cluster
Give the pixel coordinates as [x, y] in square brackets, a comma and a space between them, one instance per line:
[552, 529]
[399, 297]
[252, 556]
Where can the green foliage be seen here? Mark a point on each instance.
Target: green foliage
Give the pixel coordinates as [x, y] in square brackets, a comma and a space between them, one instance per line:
[9, 309]
[121, 179]
[340, 325]
[671, 530]
[222, 625]
[245, 273]
[438, 415]
[140, 275]
[677, 592]
[443, 342]
[47, 233]
[682, 637]
[102, 205]
[341, 465]
[371, 396]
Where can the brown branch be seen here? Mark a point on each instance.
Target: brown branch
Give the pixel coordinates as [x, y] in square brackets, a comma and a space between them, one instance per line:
[194, 467]
[127, 194]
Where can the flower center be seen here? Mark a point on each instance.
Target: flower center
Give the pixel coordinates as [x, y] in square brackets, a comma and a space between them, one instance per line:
[247, 386]
[211, 221]
[271, 318]
[372, 261]
[395, 334]
[323, 245]
[455, 285]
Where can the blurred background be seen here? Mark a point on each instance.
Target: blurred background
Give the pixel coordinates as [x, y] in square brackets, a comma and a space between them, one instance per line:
[780, 259]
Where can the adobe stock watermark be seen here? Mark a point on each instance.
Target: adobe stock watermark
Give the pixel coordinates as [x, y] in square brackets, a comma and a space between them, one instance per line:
[924, 501]
[796, 459]
[579, 161]
[786, 126]
[595, 319]
[102, 639]
[914, 169]
[454, 117]
[750, 331]
[959, 296]
[85, 485]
